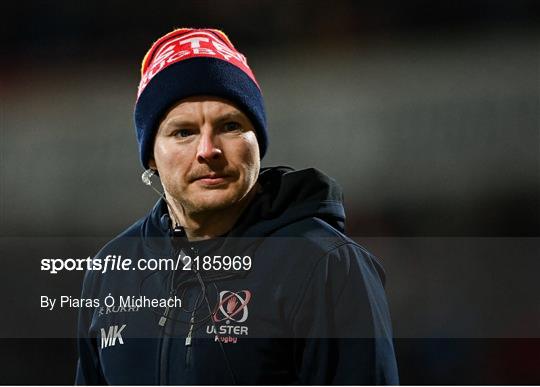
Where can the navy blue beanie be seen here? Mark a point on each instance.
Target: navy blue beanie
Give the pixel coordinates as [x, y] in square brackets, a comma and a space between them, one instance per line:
[190, 62]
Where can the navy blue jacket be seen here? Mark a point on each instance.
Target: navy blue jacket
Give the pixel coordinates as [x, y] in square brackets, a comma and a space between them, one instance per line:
[311, 309]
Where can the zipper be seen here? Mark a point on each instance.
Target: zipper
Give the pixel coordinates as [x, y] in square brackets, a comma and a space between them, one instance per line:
[189, 339]
[165, 341]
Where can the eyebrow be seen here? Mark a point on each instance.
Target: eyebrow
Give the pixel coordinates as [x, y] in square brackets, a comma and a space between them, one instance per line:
[176, 122]
[236, 115]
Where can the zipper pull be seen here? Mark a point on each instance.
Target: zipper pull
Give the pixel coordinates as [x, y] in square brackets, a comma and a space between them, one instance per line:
[163, 318]
[190, 332]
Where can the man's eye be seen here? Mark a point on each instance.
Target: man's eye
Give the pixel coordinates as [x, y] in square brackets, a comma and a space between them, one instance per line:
[231, 126]
[183, 133]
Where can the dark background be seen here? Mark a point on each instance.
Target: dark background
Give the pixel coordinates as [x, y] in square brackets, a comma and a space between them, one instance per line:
[427, 114]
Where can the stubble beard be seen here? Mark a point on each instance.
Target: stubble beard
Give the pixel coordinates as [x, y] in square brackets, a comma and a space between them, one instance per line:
[194, 204]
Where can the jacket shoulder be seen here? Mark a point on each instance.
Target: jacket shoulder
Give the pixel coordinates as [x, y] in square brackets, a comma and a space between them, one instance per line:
[323, 240]
[316, 231]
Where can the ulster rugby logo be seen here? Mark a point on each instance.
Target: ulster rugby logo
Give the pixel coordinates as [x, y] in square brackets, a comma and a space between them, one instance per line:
[232, 306]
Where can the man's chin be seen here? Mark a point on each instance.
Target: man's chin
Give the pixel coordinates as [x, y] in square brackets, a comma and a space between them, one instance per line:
[213, 201]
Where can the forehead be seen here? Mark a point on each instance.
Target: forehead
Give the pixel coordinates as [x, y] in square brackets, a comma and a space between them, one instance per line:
[203, 105]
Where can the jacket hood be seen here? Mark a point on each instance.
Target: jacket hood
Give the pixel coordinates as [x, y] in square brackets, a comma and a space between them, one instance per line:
[288, 196]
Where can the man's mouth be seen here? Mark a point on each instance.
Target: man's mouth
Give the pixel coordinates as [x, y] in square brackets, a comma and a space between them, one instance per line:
[212, 179]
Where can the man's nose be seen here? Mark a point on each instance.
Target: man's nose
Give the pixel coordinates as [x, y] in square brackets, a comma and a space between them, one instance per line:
[209, 148]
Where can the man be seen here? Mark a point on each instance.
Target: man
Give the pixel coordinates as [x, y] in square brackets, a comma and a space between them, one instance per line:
[271, 290]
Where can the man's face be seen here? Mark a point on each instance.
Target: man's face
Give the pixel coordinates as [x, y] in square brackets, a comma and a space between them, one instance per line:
[206, 153]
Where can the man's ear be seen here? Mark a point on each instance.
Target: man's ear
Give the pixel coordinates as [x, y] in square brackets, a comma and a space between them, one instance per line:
[152, 163]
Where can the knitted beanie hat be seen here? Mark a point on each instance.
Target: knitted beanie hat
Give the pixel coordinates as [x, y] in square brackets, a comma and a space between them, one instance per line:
[189, 62]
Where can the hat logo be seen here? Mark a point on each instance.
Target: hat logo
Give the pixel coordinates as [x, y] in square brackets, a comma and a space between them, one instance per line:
[192, 45]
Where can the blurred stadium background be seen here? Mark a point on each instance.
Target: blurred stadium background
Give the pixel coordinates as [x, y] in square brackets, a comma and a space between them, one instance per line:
[427, 113]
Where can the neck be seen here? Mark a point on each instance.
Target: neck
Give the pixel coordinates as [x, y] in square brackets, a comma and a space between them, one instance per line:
[200, 225]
